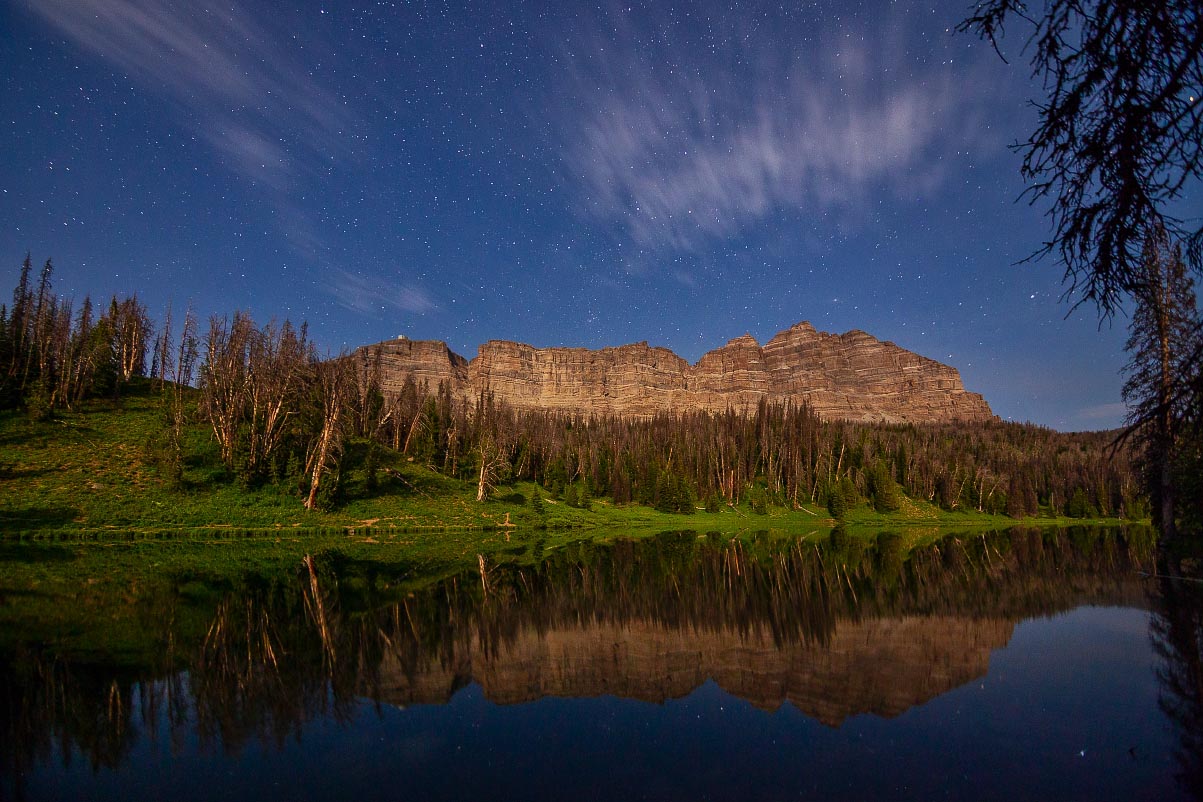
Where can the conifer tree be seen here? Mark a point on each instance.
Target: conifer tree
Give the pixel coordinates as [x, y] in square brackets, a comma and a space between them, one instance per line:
[1163, 341]
[18, 325]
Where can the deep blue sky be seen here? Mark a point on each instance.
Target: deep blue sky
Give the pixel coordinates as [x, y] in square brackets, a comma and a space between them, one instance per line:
[552, 173]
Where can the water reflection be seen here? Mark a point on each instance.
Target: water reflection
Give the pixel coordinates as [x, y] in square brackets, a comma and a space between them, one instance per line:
[836, 629]
[1177, 634]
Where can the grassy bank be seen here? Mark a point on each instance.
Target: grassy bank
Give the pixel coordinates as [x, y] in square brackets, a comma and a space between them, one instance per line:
[93, 474]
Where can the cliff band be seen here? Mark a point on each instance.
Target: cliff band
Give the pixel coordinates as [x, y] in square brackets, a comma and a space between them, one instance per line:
[852, 376]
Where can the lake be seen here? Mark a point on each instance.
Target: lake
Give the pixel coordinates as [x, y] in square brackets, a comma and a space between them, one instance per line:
[1027, 664]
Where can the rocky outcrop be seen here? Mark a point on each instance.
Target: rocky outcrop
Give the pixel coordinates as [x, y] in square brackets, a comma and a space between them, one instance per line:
[855, 376]
[852, 376]
[635, 380]
[428, 363]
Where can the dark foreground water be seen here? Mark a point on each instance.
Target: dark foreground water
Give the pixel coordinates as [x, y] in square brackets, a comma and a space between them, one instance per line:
[1021, 665]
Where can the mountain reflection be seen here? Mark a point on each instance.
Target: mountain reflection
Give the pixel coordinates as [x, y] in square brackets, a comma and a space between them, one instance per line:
[836, 629]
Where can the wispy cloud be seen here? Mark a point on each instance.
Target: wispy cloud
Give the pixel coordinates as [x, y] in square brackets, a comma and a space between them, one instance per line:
[233, 80]
[373, 295]
[681, 141]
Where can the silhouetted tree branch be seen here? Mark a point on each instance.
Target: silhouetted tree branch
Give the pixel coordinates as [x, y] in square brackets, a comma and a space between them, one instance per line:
[1120, 133]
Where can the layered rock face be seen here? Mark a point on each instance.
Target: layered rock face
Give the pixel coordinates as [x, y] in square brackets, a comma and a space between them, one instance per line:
[852, 376]
[428, 363]
[632, 380]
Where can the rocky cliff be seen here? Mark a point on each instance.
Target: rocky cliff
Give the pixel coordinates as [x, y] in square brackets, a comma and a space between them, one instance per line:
[852, 376]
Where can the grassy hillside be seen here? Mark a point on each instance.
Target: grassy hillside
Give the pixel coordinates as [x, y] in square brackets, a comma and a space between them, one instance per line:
[94, 471]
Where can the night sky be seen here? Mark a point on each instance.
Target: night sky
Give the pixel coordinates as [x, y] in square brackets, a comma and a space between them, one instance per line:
[552, 173]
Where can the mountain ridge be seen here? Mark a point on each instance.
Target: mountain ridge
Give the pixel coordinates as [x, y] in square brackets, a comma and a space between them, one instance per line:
[849, 376]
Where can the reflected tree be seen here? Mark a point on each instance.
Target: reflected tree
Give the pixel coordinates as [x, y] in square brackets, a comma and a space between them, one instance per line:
[276, 652]
[1176, 630]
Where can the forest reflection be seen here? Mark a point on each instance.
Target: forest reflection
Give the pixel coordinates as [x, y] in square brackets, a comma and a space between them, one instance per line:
[852, 625]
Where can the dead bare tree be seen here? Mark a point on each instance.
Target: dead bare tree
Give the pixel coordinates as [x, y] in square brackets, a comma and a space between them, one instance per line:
[494, 459]
[177, 372]
[131, 329]
[83, 362]
[278, 363]
[162, 351]
[224, 379]
[61, 362]
[39, 351]
[335, 386]
[371, 411]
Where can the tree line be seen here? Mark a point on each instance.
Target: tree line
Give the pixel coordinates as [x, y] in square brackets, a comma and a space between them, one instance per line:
[782, 455]
[278, 413]
[53, 356]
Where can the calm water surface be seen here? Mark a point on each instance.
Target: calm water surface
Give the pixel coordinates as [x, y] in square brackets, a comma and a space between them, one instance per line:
[1019, 665]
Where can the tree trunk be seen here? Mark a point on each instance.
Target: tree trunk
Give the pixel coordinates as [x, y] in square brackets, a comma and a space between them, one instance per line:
[324, 450]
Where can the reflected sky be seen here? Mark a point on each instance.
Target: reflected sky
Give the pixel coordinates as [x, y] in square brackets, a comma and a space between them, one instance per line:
[939, 674]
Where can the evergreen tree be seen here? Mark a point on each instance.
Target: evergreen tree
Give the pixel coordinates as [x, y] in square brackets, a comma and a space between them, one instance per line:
[882, 488]
[1163, 343]
[758, 500]
[841, 498]
[8, 394]
[371, 468]
[19, 321]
